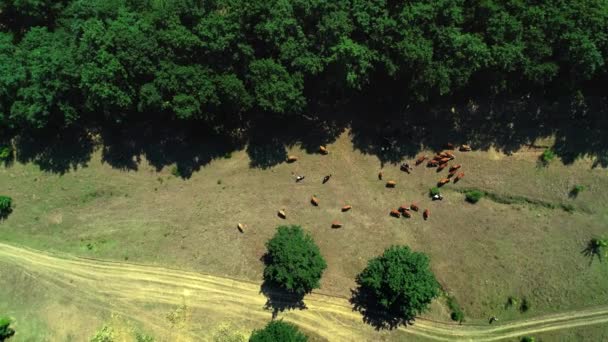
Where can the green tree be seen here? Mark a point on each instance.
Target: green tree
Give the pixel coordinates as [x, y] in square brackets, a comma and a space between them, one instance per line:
[293, 261]
[5, 330]
[6, 206]
[278, 331]
[399, 283]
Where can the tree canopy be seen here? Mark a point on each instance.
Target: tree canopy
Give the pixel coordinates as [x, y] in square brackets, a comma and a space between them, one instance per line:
[5, 330]
[293, 261]
[80, 61]
[278, 331]
[399, 283]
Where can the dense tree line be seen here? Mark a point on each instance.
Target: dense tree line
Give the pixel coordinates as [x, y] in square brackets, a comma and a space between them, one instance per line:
[223, 62]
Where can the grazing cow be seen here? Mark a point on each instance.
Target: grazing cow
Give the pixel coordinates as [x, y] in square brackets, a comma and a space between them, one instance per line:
[314, 200]
[444, 160]
[441, 167]
[292, 159]
[326, 178]
[443, 154]
[336, 224]
[426, 214]
[380, 175]
[299, 178]
[323, 150]
[459, 177]
[455, 167]
[405, 167]
[391, 184]
[406, 214]
[395, 213]
[241, 227]
[420, 159]
[282, 214]
[403, 208]
[451, 173]
[450, 155]
[414, 207]
[347, 208]
[443, 181]
[465, 148]
[432, 163]
[437, 157]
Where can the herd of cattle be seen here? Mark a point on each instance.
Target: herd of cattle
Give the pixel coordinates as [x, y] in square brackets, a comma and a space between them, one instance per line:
[439, 161]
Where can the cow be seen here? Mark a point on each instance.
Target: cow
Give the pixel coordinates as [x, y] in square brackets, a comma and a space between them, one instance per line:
[444, 160]
[437, 157]
[336, 224]
[420, 159]
[406, 214]
[451, 173]
[459, 177]
[347, 208]
[314, 200]
[292, 159]
[395, 213]
[326, 178]
[465, 148]
[241, 227]
[380, 175]
[432, 163]
[441, 167]
[414, 207]
[403, 208]
[391, 184]
[426, 214]
[450, 155]
[455, 167]
[443, 181]
[282, 214]
[443, 154]
[323, 150]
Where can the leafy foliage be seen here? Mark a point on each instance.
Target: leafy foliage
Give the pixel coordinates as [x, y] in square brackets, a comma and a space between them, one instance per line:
[105, 334]
[399, 282]
[5, 153]
[473, 196]
[547, 156]
[6, 205]
[5, 330]
[457, 313]
[293, 261]
[434, 191]
[278, 331]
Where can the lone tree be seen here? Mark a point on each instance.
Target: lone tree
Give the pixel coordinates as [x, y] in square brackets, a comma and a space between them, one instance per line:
[395, 287]
[293, 261]
[278, 331]
[5, 330]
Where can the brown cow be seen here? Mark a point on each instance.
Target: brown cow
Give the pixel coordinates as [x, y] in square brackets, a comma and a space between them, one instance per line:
[314, 200]
[465, 148]
[336, 224]
[450, 155]
[443, 181]
[443, 154]
[451, 173]
[292, 159]
[437, 157]
[441, 167]
[432, 163]
[414, 207]
[323, 150]
[404, 207]
[395, 213]
[459, 177]
[391, 184]
[406, 214]
[444, 160]
[282, 214]
[347, 208]
[241, 227]
[455, 167]
[426, 214]
[421, 159]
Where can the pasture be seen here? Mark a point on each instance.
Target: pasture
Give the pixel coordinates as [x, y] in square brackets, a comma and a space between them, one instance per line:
[524, 239]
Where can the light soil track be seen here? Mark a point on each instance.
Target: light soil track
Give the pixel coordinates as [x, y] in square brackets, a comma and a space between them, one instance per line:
[124, 287]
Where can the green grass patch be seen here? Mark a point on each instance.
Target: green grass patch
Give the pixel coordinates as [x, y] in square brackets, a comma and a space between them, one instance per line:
[473, 196]
[433, 191]
[522, 200]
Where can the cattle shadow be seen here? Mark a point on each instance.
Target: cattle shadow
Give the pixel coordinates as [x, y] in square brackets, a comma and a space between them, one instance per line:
[366, 304]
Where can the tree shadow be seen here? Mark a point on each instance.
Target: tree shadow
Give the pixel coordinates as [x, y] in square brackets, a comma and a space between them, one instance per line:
[594, 249]
[366, 304]
[279, 300]
[55, 151]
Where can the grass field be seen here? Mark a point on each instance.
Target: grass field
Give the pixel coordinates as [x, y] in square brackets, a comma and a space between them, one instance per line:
[518, 241]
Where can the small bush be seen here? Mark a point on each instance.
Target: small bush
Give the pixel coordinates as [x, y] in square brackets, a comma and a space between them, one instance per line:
[511, 302]
[576, 190]
[525, 305]
[547, 156]
[6, 206]
[433, 191]
[6, 152]
[457, 313]
[278, 331]
[528, 339]
[5, 328]
[473, 196]
[175, 171]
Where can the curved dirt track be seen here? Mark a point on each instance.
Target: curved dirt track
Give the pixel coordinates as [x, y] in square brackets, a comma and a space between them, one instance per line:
[124, 286]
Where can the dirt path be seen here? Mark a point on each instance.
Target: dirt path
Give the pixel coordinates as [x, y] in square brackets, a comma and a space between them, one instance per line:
[125, 287]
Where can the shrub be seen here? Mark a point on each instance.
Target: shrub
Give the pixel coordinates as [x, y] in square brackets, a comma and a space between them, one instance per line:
[6, 206]
[473, 196]
[547, 156]
[278, 331]
[528, 339]
[434, 191]
[175, 171]
[105, 334]
[5, 328]
[457, 313]
[6, 152]
[399, 283]
[511, 301]
[293, 261]
[525, 305]
[576, 190]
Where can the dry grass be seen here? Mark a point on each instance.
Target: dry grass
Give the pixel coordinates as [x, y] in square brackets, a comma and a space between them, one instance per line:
[481, 253]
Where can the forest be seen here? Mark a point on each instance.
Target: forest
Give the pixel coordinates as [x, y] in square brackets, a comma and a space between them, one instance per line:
[229, 63]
